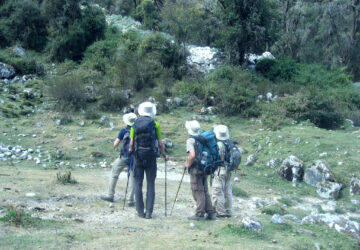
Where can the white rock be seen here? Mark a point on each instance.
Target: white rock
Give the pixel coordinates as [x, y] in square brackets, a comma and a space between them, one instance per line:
[30, 194]
[236, 179]
[324, 154]
[276, 219]
[192, 225]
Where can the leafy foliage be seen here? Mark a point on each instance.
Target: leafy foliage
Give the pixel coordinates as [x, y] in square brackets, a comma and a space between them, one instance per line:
[65, 178]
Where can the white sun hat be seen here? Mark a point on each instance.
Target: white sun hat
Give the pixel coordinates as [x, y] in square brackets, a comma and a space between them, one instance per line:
[147, 109]
[193, 127]
[221, 132]
[129, 118]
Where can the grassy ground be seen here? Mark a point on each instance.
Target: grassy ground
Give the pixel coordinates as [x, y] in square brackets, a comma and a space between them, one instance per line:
[74, 216]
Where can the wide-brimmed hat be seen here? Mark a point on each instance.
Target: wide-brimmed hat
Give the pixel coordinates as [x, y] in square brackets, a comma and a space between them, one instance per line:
[147, 109]
[129, 118]
[193, 127]
[221, 132]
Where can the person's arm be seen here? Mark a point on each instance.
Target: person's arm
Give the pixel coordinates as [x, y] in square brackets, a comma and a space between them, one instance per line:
[162, 150]
[116, 142]
[131, 145]
[191, 159]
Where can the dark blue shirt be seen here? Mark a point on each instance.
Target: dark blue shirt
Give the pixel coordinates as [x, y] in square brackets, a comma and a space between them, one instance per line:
[122, 133]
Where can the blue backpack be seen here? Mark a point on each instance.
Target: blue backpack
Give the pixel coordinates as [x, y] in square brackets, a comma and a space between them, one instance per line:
[207, 157]
[125, 143]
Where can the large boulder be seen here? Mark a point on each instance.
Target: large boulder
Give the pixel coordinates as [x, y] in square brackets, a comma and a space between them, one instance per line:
[6, 71]
[354, 186]
[292, 169]
[319, 171]
[328, 189]
[336, 222]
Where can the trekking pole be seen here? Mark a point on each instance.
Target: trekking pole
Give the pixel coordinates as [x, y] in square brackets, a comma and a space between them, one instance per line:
[127, 182]
[165, 185]
[178, 191]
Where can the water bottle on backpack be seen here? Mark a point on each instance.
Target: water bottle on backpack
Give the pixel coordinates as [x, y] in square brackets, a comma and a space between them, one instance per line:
[204, 158]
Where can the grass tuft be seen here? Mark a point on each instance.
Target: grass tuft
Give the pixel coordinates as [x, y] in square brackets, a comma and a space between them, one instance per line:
[65, 178]
[18, 217]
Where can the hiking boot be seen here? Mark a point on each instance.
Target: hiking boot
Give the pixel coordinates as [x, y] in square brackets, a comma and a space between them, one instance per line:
[107, 198]
[131, 204]
[211, 216]
[196, 217]
[148, 216]
[141, 215]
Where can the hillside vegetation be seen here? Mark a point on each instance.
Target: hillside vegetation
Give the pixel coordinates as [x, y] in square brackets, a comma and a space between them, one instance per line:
[79, 65]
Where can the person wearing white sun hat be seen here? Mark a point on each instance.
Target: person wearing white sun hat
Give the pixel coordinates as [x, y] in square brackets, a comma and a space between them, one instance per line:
[144, 135]
[222, 183]
[198, 180]
[123, 161]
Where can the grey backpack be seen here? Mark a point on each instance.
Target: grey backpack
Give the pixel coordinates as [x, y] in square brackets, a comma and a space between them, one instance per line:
[232, 156]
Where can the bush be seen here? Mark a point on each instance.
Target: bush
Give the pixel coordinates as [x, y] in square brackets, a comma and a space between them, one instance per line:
[22, 65]
[273, 69]
[65, 178]
[18, 217]
[238, 192]
[112, 99]
[70, 43]
[68, 92]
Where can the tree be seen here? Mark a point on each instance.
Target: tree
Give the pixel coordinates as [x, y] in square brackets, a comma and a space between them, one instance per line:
[249, 26]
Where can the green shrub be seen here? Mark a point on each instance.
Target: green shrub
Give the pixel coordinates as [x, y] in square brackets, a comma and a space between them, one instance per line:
[22, 65]
[286, 201]
[282, 69]
[112, 99]
[271, 210]
[18, 217]
[70, 43]
[65, 178]
[68, 92]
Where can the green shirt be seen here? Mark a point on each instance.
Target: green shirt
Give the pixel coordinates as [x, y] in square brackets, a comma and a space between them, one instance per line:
[157, 129]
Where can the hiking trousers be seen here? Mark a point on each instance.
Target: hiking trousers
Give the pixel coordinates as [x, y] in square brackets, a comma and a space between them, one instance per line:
[117, 166]
[222, 191]
[200, 192]
[147, 166]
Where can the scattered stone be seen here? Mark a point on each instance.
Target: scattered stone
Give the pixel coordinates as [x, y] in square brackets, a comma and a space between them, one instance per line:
[59, 154]
[30, 195]
[340, 163]
[104, 120]
[251, 159]
[192, 225]
[273, 163]
[6, 71]
[324, 154]
[252, 224]
[317, 246]
[354, 186]
[328, 189]
[97, 154]
[19, 51]
[82, 124]
[178, 101]
[242, 151]
[39, 124]
[276, 219]
[80, 138]
[298, 140]
[274, 241]
[111, 205]
[339, 223]
[68, 205]
[236, 179]
[319, 171]
[168, 143]
[292, 169]
[58, 122]
[355, 202]
[312, 234]
[292, 217]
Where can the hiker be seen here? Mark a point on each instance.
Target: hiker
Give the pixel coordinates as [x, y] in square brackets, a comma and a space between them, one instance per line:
[198, 179]
[222, 184]
[143, 136]
[123, 161]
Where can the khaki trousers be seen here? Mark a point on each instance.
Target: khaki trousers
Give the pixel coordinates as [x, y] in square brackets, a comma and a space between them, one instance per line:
[222, 191]
[200, 192]
[117, 166]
